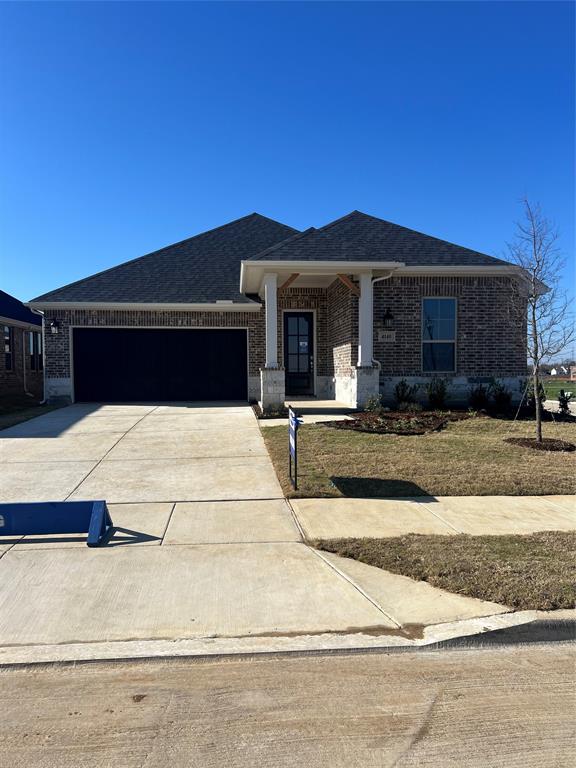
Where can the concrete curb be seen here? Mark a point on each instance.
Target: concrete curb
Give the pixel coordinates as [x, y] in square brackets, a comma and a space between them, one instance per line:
[433, 635]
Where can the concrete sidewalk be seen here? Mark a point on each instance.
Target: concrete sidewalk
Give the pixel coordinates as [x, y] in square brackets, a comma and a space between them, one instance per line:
[444, 515]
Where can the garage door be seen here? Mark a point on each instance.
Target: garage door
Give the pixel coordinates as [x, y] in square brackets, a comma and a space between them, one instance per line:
[131, 364]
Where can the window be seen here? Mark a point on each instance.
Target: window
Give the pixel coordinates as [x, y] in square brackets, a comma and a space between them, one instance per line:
[8, 347]
[31, 346]
[439, 335]
[35, 351]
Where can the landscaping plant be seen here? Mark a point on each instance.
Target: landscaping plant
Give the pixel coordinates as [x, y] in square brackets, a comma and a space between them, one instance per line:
[564, 402]
[437, 390]
[501, 397]
[539, 300]
[405, 395]
[479, 398]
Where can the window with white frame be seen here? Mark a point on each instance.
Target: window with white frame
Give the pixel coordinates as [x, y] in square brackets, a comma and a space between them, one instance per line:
[439, 335]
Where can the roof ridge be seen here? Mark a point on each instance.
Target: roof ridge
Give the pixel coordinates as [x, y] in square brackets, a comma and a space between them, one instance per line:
[160, 250]
[297, 236]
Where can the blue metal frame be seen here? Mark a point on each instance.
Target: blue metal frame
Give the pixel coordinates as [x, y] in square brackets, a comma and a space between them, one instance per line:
[52, 517]
[293, 424]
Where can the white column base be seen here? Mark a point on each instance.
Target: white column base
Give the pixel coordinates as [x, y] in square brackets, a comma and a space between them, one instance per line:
[272, 389]
[356, 389]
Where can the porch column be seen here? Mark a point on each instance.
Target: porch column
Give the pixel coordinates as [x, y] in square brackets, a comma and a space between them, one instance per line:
[270, 293]
[365, 322]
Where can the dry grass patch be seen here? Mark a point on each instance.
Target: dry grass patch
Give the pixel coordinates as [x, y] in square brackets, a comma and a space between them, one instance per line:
[14, 410]
[532, 572]
[467, 458]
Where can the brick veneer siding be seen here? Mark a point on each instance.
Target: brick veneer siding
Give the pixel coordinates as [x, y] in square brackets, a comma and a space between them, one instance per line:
[342, 328]
[491, 339]
[12, 382]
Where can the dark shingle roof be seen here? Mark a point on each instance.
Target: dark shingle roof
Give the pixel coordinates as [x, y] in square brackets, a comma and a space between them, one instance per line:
[204, 268]
[385, 241]
[313, 245]
[13, 309]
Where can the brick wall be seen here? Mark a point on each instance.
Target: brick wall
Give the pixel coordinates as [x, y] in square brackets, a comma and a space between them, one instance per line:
[490, 339]
[58, 345]
[342, 328]
[12, 382]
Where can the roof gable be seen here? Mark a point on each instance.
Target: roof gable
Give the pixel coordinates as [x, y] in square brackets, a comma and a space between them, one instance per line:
[202, 269]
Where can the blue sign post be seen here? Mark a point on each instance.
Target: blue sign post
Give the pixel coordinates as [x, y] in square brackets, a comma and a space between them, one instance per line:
[293, 424]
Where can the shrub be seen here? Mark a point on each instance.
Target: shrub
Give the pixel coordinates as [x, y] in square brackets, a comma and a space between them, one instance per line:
[437, 389]
[479, 398]
[409, 407]
[501, 397]
[564, 402]
[374, 404]
[405, 393]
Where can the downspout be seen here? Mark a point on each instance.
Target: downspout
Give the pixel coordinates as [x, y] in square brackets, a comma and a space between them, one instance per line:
[39, 312]
[377, 363]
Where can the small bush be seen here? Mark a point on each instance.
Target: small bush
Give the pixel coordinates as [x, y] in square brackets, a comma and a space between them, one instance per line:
[564, 402]
[501, 397]
[409, 407]
[374, 404]
[437, 389]
[405, 393]
[479, 398]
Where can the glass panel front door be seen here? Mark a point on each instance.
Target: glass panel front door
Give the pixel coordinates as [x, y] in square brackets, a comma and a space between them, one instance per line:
[299, 352]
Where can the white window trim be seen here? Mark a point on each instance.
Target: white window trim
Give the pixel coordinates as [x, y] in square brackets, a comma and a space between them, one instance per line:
[439, 341]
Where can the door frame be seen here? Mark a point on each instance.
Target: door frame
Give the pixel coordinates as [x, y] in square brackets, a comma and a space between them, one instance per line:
[163, 328]
[292, 310]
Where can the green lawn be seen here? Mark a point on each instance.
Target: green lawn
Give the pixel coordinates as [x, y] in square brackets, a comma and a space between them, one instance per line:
[536, 571]
[466, 458]
[553, 386]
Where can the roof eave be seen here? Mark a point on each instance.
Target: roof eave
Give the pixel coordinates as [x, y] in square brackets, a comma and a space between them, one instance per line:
[309, 267]
[218, 306]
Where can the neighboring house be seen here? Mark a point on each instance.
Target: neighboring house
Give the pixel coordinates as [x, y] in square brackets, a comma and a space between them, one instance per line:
[22, 361]
[257, 310]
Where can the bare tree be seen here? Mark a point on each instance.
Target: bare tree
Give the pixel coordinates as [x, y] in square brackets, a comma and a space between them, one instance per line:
[546, 307]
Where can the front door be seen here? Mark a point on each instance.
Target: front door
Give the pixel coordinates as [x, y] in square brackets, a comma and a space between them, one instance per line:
[299, 352]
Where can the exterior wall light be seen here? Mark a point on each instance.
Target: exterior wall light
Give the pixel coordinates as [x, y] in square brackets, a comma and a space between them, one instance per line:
[54, 326]
[388, 319]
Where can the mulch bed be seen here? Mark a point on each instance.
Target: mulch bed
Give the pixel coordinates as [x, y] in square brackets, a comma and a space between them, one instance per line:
[547, 444]
[399, 422]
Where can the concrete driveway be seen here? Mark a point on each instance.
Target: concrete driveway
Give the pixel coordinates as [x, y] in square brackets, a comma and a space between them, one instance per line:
[137, 453]
[204, 544]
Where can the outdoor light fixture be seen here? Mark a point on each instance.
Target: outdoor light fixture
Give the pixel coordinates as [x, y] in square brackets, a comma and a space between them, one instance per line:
[388, 319]
[54, 326]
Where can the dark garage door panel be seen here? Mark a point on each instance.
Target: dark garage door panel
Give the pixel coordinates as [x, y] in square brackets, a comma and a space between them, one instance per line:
[129, 364]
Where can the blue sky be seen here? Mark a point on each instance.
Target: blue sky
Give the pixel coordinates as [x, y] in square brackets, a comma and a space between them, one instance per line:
[128, 126]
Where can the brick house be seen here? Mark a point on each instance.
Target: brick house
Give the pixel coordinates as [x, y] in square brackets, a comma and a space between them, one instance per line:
[22, 361]
[257, 310]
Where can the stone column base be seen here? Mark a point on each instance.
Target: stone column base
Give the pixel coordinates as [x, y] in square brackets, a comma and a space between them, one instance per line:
[272, 389]
[367, 384]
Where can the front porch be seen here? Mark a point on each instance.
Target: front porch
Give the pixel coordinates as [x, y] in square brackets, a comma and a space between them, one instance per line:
[319, 333]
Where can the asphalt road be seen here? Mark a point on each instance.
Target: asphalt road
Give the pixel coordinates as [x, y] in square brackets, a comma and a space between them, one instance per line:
[502, 706]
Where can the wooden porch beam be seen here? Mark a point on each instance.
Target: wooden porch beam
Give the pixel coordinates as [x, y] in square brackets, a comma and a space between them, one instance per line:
[288, 283]
[349, 284]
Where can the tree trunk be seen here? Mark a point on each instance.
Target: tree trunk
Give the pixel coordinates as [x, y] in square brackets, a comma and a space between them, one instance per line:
[536, 375]
[537, 403]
